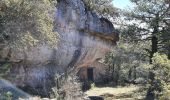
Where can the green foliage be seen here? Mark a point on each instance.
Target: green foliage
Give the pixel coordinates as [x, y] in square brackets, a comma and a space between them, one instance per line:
[92, 86]
[5, 69]
[148, 22]
[6, 96]
[27, 23]
[165, 96]
[67, 87]
[161, 67]
[127, 62]
[104, 8]
[147, 25]
[166, 92]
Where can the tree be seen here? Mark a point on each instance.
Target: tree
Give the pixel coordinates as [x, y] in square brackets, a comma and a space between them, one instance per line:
[103, 8]
[151, 15]
[26, 23]
[150, 23]
[126, 63]
[165, 36]
[159, 85]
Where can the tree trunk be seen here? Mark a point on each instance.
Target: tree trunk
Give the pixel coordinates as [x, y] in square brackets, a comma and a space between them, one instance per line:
[134, 72]
[130, 74]
[154, 49]
[150, 93]
[169, 53]
[118, 74]
[154, 46]
[113, 72]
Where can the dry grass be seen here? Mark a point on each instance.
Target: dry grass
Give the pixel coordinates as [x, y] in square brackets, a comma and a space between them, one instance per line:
[116, 93]
[110, 90]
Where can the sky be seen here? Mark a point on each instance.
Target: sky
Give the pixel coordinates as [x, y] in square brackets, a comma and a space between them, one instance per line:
[121, 3]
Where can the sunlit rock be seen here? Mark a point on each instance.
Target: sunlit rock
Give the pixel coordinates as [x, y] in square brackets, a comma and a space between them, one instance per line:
[84, 39]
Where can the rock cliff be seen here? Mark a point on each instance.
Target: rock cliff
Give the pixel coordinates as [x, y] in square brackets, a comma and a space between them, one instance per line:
[84, 38]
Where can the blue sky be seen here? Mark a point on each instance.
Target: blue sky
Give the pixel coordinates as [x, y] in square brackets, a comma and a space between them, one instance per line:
[121, 3]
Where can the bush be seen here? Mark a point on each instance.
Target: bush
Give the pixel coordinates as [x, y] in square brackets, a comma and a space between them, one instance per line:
[93, 85]
[6, 96]
[165, 96]
[27, 23]
[126, 63]
[159, 79]
[103, 8]
[68, 88]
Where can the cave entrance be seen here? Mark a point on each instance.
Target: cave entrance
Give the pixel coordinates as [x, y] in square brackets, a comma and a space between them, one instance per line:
[90, 74]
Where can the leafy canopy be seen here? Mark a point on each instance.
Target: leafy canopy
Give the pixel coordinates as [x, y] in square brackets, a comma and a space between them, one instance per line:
[27, 23]
[104, 8]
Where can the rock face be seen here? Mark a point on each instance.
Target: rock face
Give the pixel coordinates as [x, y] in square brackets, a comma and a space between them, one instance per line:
[84, 38]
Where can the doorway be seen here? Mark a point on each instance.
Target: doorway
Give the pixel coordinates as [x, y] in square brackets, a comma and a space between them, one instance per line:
[90, 74]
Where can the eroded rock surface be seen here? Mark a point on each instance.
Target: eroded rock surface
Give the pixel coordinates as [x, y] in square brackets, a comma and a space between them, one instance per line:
[84, 38]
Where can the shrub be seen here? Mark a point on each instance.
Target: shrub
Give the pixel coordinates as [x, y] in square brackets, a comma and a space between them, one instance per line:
[27, 23]
[68, 88]
[6, 96]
